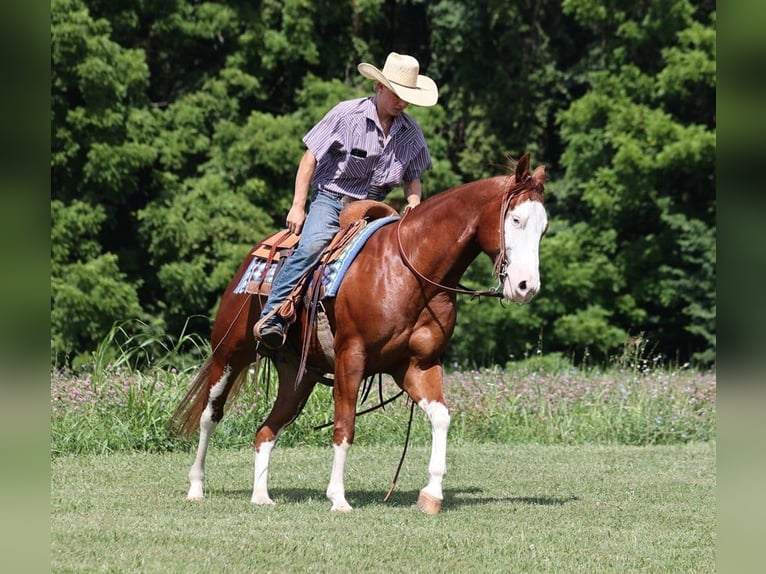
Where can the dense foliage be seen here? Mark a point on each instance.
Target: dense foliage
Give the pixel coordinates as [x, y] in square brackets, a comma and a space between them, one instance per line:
[176, 131]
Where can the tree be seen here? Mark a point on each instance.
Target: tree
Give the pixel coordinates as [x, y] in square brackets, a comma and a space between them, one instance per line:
[640, 169]
[176, 131]
[498, 64]
[89, 292]
[98, 152]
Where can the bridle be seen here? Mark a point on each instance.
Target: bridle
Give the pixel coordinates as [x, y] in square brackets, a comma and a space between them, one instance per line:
[500, 268]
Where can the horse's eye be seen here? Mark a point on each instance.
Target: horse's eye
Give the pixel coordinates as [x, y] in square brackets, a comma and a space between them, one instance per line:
[516, 221]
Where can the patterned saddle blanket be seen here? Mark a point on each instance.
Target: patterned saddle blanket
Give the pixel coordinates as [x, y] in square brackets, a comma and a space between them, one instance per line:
[260, 271]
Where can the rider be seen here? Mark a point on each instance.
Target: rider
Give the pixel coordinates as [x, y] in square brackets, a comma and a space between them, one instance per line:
[361, 149]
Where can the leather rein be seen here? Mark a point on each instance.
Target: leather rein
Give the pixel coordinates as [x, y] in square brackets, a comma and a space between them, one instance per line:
[500, 262]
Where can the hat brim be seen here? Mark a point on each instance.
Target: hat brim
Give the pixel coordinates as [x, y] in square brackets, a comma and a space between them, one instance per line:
[425, 93]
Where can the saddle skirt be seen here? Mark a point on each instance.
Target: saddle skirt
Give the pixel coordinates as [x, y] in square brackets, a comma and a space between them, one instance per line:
[270, 254]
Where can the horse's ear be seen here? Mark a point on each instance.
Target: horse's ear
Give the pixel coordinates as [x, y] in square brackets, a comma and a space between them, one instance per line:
[522, 168]
[538, 176]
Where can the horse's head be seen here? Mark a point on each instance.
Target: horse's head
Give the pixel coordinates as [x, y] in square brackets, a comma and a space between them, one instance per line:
[523, 228]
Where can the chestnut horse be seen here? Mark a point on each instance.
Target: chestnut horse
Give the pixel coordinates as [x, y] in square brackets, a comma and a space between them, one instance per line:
[393, 313]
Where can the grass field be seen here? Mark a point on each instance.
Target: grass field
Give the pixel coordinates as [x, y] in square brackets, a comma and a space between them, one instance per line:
[551, 468]
[508, 508]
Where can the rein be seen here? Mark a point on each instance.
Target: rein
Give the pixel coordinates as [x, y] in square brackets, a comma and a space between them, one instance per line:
[459, 290]
[500, 262]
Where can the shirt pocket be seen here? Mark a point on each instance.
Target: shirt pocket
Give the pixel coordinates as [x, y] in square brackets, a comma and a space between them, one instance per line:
[358, 167]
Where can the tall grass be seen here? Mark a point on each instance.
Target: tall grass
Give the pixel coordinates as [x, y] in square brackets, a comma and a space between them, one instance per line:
[122, 400]
[571, 406]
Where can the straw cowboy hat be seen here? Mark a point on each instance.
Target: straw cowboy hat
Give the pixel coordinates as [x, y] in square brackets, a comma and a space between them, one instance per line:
[401, 76]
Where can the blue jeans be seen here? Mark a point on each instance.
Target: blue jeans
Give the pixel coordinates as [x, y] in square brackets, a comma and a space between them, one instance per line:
[321, 225]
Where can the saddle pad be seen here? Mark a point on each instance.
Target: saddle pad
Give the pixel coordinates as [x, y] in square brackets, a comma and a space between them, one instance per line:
[333, 273]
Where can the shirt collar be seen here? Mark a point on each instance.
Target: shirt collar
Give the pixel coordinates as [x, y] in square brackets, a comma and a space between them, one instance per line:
[372, 114]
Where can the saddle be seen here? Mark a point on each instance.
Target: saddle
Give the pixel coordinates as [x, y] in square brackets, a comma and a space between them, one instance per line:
[276, 248]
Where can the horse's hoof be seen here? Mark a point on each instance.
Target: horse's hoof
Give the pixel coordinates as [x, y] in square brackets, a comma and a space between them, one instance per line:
[341, 508]
[196, 492]
[262, 501]
[429, 504]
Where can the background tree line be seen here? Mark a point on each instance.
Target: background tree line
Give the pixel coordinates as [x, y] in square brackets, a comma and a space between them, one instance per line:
[176, 130]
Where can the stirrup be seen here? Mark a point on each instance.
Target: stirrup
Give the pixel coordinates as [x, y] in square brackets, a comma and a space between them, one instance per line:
[272, 336]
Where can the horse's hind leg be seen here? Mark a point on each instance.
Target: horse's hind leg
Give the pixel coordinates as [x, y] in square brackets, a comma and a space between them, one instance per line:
[348, 378]
[221, 377]
[291, 399]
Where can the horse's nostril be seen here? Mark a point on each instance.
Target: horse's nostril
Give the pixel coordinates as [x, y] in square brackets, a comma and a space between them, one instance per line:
[523, 286]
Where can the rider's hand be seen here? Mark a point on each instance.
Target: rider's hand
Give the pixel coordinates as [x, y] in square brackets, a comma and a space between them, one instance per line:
[295, 218]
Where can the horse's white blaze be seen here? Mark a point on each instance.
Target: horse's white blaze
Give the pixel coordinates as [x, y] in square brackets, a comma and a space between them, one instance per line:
[437, 467]
[524, 227]
[336, 491]
[260, 481]
[206, 428]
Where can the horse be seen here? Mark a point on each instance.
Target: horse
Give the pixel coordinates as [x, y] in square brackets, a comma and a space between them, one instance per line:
[393, 313]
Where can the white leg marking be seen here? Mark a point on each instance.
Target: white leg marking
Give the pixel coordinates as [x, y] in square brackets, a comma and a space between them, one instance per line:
[197, 471]
[206, 429]
[336, 492]
[219, 387]
[437, 466]
[260, 488]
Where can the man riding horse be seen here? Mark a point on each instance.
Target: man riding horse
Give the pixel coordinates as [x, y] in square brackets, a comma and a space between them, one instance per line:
[361, 149]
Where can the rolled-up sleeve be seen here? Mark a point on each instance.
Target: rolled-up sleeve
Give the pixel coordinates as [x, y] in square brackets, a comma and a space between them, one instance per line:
[325, 134]
[420, 163]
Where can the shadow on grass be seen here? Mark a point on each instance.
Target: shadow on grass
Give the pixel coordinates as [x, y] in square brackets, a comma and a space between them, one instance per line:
[454, 498]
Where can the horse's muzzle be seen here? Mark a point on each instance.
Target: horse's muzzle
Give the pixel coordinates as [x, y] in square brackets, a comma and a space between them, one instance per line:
[520, 290]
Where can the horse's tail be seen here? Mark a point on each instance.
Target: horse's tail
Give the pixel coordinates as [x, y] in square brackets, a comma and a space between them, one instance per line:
[185, 419]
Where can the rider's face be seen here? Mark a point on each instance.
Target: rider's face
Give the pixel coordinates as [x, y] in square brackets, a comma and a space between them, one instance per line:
[389, 102]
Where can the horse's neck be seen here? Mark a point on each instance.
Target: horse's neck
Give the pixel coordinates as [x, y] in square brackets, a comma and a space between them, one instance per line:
[445, 241]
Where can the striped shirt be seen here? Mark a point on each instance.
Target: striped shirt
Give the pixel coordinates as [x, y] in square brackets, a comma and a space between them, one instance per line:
[352, 154]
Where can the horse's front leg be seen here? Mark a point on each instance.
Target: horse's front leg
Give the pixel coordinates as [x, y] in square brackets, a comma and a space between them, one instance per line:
[431, 497]
[348, 378]
[426, 388]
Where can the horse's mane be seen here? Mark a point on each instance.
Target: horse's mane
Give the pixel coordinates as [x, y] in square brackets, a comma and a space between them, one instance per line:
[515, 180]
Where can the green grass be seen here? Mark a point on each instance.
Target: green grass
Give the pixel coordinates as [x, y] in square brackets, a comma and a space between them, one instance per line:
[122, 409]
[122, 399]
[551, 468]
[508, 508]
